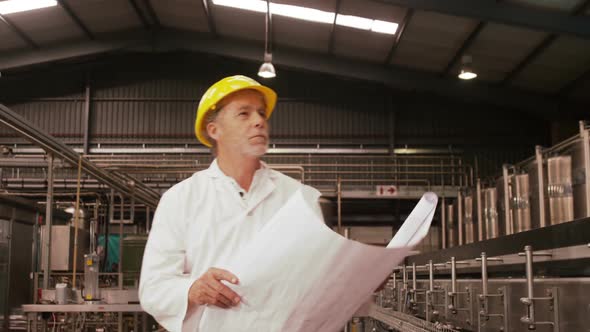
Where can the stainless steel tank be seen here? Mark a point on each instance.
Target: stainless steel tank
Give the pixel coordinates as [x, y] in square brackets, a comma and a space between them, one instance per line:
[538, 201]
[490, 213]
[580, 190]
[520, 202]
[468, 218]
[502, 205]
[451, 226]
[559, 189]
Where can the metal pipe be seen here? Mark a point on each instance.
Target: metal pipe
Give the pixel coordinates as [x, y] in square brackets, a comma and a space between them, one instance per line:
[387, 172]
[48, 222]
[35, 252]
[190, 163]
[541, 185]
[8, 269]
[86, 122]
[414, 283]
[339, 203]
[528, 250]
[108, 222]
[460, 216]
[584, 133]
[13, 120]
[76, 221]
[484, 274]
[443, 213]
[453, 275]
[507, 221]
[404, 277]
[94, 184]
[93, 226]
[480, 221]
[430, 276]
[120, 265]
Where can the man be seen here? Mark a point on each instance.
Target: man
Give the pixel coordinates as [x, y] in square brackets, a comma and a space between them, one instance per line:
[206, 219]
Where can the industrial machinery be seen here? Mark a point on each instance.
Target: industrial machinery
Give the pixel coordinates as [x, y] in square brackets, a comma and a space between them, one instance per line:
[526, 268]
[546, 189]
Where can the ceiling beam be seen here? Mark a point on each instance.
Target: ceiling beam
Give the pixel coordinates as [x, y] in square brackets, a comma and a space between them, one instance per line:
[580, 9]
[333, 28]
[139, 13]
[466, 44]
[66, 7]
[396, 77]
[399, 78]
[152, 13]
[69, 51]
[545, 43]
[210, 21]
[398, 35]
[19, 32]
[501, 12]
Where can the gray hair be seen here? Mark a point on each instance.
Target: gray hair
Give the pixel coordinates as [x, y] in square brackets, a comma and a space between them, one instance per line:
[209, 118]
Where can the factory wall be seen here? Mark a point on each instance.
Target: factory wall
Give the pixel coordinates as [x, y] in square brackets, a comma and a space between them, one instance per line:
[152, 99]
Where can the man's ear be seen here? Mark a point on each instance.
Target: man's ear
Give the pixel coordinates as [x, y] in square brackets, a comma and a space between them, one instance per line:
[212, 130]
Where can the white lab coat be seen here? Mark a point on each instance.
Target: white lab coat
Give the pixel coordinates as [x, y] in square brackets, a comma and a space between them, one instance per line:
[200, 223]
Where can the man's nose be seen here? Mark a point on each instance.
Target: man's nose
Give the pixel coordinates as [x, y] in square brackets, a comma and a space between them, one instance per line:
[259, 120]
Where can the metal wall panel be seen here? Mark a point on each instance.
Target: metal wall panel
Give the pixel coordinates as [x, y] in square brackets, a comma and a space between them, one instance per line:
[310, 122]
[131, 104]
[61, 118]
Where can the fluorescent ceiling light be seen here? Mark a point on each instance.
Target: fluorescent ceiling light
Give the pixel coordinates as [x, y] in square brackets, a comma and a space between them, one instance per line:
[302, 13]
[15, 6]
[354, 22]
[314, 15]
[253, 5]
[384, 27]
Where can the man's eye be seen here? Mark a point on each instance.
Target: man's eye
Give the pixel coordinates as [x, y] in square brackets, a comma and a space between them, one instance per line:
[243, 113]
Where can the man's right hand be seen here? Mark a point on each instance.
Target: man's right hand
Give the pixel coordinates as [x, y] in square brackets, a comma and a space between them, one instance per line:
[208, 289]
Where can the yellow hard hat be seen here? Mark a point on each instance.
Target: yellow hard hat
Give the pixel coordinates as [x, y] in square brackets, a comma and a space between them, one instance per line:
[224, 88]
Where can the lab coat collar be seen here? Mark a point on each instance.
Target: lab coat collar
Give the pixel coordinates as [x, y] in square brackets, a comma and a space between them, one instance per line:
[262, 183]
[215, 172]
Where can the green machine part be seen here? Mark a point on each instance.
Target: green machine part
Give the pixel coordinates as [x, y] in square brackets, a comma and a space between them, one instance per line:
[133, 248]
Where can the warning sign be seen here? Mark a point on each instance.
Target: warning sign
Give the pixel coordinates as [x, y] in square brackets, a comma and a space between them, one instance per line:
[389, 191]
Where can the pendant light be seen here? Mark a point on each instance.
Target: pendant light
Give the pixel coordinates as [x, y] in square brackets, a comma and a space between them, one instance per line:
[467, 72]
[267, 70]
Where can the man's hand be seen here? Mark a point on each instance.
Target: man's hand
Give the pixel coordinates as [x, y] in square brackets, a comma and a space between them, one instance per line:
[208, 289]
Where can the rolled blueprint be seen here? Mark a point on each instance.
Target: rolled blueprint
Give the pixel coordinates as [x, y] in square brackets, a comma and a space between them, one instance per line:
[299, 275]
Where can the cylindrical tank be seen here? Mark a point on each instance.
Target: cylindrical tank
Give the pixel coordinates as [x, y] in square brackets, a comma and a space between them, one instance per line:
[468, 219]
[579, 178]
[451, 226]
[559, 189]
[504, 226]
[91, 290]
[490, 213]
[520, 199]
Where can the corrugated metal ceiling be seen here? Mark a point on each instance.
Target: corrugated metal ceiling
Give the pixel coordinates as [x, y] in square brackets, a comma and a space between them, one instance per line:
[429, 43]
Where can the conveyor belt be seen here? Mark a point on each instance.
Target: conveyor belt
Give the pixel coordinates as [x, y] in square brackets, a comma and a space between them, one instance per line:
[568, 234]
[403, 322]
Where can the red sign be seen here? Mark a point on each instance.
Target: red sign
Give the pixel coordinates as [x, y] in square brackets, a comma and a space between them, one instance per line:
[390, 191]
